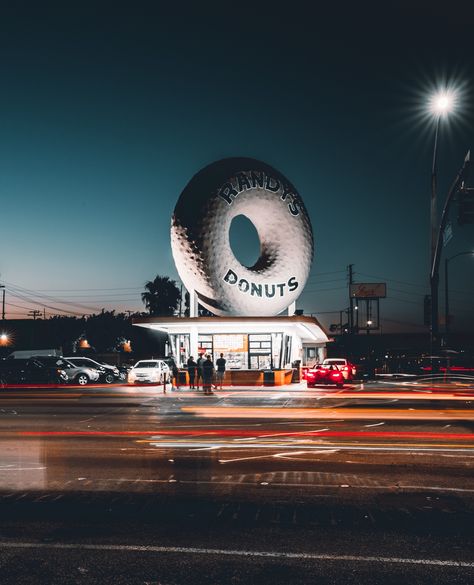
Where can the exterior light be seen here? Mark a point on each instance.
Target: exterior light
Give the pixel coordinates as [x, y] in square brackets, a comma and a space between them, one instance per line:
[4, 339]
[443, 102]
[369, 323]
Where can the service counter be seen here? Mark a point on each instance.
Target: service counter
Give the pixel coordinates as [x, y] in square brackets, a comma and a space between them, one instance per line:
[251, 377]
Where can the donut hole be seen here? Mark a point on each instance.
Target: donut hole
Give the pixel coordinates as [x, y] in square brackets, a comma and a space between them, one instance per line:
[244, 241]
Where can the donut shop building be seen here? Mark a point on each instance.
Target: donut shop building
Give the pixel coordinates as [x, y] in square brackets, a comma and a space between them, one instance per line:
[249, 344]
[250, 327]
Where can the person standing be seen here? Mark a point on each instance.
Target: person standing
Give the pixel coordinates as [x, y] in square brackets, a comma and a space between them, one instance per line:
[192, 367]
[220, 363]
[174, 373]
[207, 375]
[200, 361]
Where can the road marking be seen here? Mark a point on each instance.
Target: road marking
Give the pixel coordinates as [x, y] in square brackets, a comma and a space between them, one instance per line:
[278, 484]
[9, 468]
[244, 458]
[238, 553]
[375, 424]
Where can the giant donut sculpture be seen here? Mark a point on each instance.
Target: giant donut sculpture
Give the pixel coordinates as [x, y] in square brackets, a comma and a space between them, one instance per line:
[201, 246]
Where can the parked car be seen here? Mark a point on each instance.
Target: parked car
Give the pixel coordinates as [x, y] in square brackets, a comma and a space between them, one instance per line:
[31, 371]
[107, 373]
[149, 371]
[325, 374]
[76, 374]
[348, 370]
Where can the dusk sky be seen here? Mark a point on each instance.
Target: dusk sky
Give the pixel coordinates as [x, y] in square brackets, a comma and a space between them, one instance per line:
[106, 114]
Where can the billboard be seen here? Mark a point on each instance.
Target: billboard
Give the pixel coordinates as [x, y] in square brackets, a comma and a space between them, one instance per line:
[368, 290]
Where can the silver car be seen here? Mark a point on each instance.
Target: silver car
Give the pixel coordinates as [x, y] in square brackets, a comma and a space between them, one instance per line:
[76, 374]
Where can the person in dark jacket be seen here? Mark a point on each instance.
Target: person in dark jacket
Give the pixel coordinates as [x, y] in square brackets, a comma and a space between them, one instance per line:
[192, 367]
[220, 363]
[199, 370]
[174, 373]
[207, 375]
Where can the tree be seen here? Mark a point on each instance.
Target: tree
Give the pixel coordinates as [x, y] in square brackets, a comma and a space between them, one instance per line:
[161, 296]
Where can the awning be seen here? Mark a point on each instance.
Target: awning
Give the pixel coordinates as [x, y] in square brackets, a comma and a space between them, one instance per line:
[307, 328]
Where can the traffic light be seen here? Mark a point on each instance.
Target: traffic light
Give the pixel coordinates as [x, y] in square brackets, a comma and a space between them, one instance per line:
[465, 206]
[427, 310]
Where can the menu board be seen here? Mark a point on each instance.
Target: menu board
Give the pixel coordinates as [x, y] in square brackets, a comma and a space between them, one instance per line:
[230, 343]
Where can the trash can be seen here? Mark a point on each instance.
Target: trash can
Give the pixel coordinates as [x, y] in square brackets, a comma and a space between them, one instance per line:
[296, 372]
[268, 378]
[182, 378]
[295, 375]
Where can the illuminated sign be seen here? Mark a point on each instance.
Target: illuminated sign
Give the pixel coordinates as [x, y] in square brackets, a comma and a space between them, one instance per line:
[201, 245]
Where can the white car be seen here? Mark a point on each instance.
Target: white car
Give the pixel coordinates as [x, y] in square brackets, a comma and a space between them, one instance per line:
[149, 372]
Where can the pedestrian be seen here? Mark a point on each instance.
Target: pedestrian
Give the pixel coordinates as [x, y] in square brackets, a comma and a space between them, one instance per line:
[220, 363]
[207, 375]
[192, 367]
[199, 370]
[174, 373]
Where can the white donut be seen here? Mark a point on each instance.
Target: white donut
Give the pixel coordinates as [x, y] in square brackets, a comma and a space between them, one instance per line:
[201, 247]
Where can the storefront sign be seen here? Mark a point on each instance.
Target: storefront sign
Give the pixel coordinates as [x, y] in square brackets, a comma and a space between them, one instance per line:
[201, 246]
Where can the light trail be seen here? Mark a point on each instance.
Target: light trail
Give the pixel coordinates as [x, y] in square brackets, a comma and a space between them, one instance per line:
[213, 412]
[157, 433]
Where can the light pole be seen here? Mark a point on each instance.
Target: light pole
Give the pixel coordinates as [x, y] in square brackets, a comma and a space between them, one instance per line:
[446, 289]
[441, 104]
[2, 286]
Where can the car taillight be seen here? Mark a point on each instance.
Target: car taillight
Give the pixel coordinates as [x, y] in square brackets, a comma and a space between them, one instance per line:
[310, 374]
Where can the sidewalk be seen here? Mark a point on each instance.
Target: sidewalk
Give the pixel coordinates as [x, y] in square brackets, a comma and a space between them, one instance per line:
[297, 387]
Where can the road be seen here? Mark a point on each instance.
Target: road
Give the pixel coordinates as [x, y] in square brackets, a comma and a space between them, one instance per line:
[125, 484]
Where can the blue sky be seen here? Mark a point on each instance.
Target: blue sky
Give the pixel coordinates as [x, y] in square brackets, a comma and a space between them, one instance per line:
[107, 111]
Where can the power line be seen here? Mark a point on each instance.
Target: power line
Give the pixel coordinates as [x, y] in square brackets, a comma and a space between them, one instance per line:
[325, 289]
[383, 278]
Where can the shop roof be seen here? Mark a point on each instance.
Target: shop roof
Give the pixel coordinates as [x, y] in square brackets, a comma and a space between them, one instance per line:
[308, 328]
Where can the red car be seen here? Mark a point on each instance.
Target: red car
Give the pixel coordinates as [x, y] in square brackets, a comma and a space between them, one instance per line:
[324, 374]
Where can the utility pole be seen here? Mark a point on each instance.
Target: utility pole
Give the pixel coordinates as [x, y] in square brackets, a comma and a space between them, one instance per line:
[456, 186]
[2, 286]
[34, 313]
[351, 300]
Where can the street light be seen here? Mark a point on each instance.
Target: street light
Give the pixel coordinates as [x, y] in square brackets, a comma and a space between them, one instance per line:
[446, 297]
[441, 104]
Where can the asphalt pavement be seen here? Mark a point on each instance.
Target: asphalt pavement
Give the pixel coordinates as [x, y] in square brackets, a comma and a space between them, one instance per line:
[125, 484]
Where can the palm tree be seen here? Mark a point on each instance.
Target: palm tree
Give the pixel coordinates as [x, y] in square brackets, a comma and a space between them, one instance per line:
[161, 296]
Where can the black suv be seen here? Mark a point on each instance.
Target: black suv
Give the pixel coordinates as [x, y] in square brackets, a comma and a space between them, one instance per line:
[30, 371]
